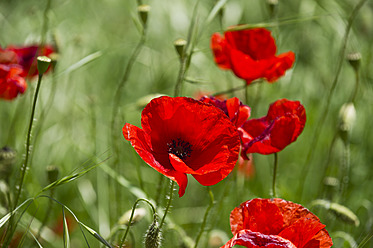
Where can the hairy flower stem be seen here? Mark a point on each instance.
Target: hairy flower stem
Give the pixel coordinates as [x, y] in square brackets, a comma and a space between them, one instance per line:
[24, 166]
[168, 204]
[131, 217]
[345, 173]
[202, 229]
[357, 82]
[275, 163]
[325, 111]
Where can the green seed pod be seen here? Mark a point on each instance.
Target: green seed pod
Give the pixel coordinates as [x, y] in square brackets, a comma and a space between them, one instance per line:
[179, 45]
[143, 11]
[153, 236]
[354, 60]
[43, 64]
[52, 173]
[347, 118]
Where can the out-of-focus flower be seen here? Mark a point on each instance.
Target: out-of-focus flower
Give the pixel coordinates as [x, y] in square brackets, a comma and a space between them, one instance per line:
[181, 136]
[26, 57]
[281, 126]
[250, 54]
[276, 223]
[246, 166]
[11, 81]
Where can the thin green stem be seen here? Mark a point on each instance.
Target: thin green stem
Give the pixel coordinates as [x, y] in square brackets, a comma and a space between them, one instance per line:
[202, 229]
[159, 188]
[275, 163]
[168, 204]
[325, 111]
[131, 217]
[24, 166]
[357, 82]
[229, 90]
[345, 174]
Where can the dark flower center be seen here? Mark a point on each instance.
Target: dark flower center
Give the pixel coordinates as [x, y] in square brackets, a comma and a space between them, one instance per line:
[180, 148]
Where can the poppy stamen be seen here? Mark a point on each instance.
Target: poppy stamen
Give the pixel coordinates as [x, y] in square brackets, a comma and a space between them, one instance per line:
[180, 148]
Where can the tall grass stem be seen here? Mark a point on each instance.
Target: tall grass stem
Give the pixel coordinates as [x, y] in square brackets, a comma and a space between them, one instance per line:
[202, 228]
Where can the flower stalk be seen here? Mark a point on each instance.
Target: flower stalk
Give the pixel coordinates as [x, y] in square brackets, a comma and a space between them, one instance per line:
[202, 229]
[275, 163]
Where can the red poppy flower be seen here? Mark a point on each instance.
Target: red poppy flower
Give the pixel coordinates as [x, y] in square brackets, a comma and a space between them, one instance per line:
[182, 136]
[246, 168]
[11, 83]
[26, 57]
[250, 54]
[283, 124]
[233, 108]
[276, 223]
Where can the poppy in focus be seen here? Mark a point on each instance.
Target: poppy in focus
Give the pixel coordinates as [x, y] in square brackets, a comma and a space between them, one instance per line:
[181, 136]
[11, 83]
[250, 54]
[281, 126]
[276, 223]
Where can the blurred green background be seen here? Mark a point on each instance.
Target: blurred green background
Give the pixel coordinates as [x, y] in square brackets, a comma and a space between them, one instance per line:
[73, 125]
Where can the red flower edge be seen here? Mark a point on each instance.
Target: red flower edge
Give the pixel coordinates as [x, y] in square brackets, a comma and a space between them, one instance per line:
[281, 126]
[250, 54]
[11, 83]
[276, 223]
[182, 136]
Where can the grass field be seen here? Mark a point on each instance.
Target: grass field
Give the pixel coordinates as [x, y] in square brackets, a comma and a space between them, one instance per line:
[100, 83]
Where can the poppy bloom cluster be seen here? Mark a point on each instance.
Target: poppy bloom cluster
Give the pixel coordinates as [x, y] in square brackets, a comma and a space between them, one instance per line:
[16, 64]
[281, 126]
[276, 223]
[250, 54]
[181, 136]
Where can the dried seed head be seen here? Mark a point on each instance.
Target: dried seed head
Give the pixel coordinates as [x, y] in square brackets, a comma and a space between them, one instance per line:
[179, 45]
[354, 60]
[143, 11]
[52, 173]
[153, 236]
[137, 216]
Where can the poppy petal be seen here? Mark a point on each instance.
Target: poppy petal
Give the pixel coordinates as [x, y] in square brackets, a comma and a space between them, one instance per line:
[279, 66]
[252, 239]
[218, 47]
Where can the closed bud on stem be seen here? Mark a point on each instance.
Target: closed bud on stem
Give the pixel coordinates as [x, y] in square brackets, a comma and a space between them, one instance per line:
[180, 45]
[52, 173]
[153, 235]
[354, 60]
[347, 117]
[272, 5]
[7, 160]
[137, 216]
[43, 64]
[143, 11]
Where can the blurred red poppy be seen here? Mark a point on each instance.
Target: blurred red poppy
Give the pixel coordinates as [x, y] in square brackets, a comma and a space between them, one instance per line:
[26, 57]
[11, 83]
[250, 54]
[283, 124]
[276, 223]
[246, 168]
[182, 136]
[237, 112]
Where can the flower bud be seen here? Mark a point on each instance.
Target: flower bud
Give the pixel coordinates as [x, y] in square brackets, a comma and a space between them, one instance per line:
[52, 173]
[143, 11]
[137, 216]
[179, 45]
[153, 236]
[54, 59]
[354, 60]
[7, 160]
[347, 117]
[43, 64]
[217, 238]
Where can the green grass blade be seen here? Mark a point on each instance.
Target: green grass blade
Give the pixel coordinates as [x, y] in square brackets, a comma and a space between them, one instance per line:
[66, 237]
[96, 235]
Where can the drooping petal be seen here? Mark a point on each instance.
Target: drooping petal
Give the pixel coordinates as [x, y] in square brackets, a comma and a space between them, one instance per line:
[218, 47]
[252, 239]
[279, 66]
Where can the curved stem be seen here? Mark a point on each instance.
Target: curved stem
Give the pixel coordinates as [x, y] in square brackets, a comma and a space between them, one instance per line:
[325, 111]
[168, 204]
[229, 90]
[24, 166]
[132, 214]
[275, 163]
[202, 229]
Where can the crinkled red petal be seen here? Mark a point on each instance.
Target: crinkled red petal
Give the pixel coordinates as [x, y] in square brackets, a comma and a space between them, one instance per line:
[218, 47]
[256, 43]
[252, 239]
[279, 65]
